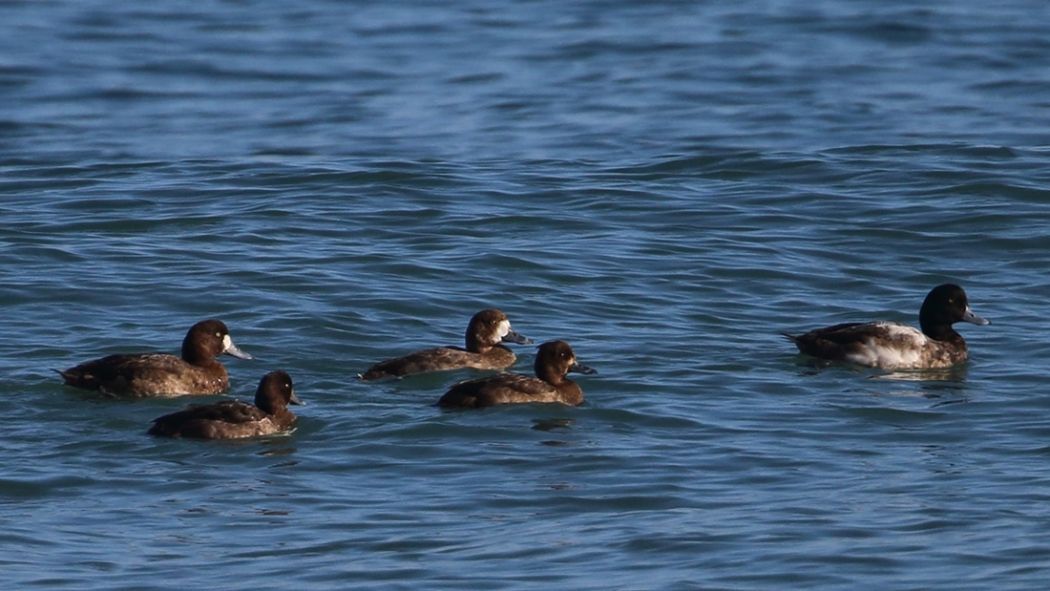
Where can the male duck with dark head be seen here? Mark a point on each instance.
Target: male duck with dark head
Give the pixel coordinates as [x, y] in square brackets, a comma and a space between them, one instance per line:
[233, 419]
[554, 360]
[485, 333]
[159, 374]
[890, 345]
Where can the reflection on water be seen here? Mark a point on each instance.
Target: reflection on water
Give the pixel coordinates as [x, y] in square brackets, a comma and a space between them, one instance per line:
[553, 424]
[955, 374]
[340, 182]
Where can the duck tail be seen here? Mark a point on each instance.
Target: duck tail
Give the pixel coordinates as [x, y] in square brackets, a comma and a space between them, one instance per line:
[371, 374]
[790, 337]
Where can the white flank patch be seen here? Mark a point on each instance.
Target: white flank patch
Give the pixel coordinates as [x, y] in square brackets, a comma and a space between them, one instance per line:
[899, 346]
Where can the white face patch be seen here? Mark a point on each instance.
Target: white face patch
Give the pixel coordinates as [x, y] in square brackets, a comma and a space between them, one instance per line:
[503, 329]
[230, 349]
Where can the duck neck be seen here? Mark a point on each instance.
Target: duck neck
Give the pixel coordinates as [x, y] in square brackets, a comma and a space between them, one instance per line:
[269, 403]
[550, 375]
[939, 331]
[474, 344]
[195, 354]
[270, 408]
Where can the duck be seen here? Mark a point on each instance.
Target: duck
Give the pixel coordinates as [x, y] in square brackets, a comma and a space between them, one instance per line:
[554, 359]
[233, 419]
[486, 332]
[896, 346]
[138, 375]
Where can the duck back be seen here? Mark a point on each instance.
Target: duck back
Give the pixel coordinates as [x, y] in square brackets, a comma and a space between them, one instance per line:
[886, 345]
[440, 359]
[510, 389]
[147, 374]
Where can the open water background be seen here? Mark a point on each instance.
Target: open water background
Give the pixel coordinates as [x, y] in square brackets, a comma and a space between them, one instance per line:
[664, 185]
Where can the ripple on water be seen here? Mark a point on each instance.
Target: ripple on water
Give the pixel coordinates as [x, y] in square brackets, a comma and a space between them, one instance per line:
[667, 192]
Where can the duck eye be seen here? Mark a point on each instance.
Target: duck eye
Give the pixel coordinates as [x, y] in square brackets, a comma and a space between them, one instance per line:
[218, 334]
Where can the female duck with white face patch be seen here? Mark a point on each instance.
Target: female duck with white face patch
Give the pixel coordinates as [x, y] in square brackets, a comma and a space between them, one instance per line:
[196, 371]
[485, 333]
[890, 345]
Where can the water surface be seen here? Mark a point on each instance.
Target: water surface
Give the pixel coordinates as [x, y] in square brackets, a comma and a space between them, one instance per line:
[665, 186]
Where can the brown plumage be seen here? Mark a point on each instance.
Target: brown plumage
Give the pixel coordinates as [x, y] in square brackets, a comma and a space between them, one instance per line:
[233, 419]
[159, 374]
[485, 333]
[554, 360]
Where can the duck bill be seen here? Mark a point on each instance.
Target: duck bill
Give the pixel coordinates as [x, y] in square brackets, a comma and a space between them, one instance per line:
[230, 349]
[581, 368]
[295, 399]
[516, 337]
[969, 316]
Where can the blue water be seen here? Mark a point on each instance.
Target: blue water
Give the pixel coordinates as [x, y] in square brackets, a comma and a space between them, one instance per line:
[666, 186]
